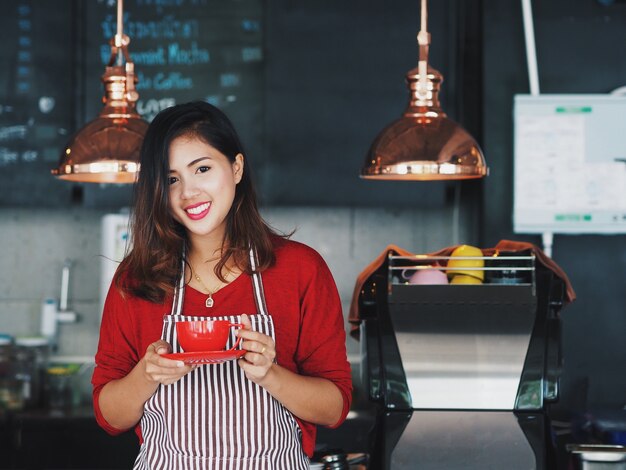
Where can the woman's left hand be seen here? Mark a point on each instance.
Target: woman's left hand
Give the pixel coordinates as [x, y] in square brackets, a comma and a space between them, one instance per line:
[261, 351]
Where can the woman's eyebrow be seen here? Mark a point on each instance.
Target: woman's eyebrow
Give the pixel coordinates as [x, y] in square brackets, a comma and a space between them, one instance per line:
[192, 163]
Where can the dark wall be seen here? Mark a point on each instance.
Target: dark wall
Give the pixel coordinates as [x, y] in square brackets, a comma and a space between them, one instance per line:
[580, 49]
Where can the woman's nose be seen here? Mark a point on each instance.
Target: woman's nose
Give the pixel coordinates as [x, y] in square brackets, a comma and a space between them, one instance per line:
[189, 190]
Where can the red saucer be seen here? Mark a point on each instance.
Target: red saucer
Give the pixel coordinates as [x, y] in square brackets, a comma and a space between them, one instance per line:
[207, 357]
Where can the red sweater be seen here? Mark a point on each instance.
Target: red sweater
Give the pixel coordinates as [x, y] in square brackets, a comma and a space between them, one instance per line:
[301, 296]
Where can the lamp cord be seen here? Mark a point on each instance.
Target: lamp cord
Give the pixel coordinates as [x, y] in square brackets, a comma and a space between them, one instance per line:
[423, 40]
[119, 37]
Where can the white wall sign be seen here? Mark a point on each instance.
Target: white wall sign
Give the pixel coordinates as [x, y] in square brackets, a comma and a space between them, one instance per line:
[570, 164]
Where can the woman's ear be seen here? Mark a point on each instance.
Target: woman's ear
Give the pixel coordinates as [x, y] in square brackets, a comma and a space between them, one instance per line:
[238, 165]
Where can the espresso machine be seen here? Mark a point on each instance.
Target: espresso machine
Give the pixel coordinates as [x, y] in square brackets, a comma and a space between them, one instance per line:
[462, 375]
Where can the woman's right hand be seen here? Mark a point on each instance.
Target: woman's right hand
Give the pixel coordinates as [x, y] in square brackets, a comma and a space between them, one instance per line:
[160, 369]
[122, 401]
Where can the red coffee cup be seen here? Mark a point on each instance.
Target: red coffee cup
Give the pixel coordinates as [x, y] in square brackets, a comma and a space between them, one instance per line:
[205, 335]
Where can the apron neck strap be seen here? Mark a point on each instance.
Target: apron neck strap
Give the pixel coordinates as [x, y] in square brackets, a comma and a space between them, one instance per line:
[179, 289]
[257, 286]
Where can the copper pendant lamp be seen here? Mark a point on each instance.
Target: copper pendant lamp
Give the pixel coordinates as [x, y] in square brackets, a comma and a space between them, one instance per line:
[424, 144]
[106, 150]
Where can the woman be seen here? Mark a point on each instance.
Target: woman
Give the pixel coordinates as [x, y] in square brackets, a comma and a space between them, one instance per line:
[201, 249]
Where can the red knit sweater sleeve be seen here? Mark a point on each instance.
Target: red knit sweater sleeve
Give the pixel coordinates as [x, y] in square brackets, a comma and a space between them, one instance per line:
[321, 350]
[116, 355]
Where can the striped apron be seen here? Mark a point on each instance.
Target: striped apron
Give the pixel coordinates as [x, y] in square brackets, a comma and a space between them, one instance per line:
[214, 417]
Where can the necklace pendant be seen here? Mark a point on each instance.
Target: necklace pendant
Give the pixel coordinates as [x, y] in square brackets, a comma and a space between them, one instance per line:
[209, 302]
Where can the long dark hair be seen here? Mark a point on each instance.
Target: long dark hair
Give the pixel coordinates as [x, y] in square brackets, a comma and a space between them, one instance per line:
[153, 265]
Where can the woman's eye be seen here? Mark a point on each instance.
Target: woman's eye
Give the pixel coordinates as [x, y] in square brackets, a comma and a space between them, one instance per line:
[171, 180]
[203, 169]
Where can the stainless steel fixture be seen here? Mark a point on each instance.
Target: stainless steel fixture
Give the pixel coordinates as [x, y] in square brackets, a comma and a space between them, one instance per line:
[598, 456]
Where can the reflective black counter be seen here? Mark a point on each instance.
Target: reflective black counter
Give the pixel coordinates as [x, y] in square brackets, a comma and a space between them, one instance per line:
[39, 439]
[44, 439]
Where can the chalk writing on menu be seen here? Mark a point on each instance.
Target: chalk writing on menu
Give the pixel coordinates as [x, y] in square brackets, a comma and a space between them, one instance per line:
[16, 132]
[189, 49]
[35, 98]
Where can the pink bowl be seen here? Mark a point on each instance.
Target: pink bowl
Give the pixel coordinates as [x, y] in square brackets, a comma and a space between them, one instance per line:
[428, 276]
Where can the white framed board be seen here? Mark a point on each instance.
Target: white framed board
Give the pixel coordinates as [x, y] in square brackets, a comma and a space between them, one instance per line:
[569, 164]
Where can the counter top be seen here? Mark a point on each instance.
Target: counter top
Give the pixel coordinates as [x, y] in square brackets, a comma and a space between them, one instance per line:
[41, 438]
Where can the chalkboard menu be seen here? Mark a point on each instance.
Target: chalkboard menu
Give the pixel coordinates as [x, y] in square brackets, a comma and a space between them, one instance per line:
[182, 49]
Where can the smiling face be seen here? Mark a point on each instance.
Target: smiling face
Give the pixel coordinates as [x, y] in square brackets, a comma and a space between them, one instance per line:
[202, 183]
